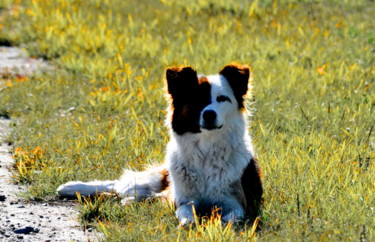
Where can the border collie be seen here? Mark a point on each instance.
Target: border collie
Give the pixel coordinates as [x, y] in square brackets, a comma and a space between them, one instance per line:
[209, 162]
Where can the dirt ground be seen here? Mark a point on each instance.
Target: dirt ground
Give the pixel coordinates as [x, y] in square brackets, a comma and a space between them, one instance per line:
[22, 220]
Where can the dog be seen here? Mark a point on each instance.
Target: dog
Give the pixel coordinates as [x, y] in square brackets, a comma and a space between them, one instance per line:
[210, 163]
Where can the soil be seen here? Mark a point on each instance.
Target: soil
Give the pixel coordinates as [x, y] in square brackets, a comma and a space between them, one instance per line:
[14, 60]
[20, 219]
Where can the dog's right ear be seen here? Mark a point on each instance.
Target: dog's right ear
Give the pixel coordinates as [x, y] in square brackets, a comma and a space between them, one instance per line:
[181, 81]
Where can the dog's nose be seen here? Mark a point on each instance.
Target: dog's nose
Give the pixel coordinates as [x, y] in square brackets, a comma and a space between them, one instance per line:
[209, 116]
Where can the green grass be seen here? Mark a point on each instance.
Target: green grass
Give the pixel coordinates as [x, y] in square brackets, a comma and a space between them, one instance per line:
[103, 108]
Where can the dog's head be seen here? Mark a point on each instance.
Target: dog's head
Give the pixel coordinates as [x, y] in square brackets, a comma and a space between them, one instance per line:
[205, 102]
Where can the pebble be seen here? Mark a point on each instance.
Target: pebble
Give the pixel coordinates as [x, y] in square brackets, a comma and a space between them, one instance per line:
[2, 198]
[25, 230]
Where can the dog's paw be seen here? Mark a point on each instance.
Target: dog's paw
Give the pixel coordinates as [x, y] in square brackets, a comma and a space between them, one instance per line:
[128, 200]
[185, 214]
[230, 219]
[186, 222]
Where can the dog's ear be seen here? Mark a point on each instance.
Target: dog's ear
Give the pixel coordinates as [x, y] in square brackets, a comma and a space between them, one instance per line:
[181, 81]
[238, 78]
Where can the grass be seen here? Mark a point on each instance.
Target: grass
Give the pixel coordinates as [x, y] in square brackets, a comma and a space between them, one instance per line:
[103, 108]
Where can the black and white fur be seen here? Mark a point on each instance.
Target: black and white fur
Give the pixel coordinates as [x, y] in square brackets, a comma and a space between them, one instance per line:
[209, 161]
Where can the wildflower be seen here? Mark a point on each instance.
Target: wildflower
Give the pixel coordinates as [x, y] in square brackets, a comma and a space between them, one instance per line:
[322, 69]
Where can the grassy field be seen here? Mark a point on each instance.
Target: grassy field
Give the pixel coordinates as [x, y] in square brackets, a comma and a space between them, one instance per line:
[103, 107]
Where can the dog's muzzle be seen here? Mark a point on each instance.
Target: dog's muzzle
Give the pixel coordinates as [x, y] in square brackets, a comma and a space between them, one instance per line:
[209, 118]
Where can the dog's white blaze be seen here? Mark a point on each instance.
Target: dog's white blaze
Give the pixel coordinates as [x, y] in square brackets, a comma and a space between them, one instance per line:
[224, 110]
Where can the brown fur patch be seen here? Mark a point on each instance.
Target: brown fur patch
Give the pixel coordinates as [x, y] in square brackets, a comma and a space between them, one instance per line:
[161, 170]
[202, 79]
[164, 179]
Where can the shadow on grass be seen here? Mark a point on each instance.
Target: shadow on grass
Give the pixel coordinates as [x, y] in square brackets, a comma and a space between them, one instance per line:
[5, 42]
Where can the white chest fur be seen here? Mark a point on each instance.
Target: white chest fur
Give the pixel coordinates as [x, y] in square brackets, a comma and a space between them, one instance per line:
[205, 165]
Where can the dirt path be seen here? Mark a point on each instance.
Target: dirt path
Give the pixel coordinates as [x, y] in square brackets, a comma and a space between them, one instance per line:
[15, 61]
[22, 220]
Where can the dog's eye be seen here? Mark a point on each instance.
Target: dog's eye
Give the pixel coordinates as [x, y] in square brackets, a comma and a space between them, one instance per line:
[223, 98]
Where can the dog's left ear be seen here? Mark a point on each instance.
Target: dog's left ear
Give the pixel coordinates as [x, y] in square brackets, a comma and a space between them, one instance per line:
[238, 78]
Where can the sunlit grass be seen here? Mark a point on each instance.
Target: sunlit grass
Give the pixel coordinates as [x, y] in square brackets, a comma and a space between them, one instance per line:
[103, 108]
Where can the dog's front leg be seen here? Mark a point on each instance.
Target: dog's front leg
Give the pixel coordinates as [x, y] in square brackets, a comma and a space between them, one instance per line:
[233, 217]
[233, 213]
[185, 214]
